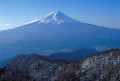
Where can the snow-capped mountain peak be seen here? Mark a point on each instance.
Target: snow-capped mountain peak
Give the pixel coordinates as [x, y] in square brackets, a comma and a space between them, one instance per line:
[56, 17]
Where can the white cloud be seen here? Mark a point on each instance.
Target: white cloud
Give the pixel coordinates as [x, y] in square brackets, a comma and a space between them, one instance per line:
[33, 21]
[8, 24]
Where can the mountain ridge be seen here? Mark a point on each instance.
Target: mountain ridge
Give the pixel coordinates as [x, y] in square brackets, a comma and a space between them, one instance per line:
[98, 67]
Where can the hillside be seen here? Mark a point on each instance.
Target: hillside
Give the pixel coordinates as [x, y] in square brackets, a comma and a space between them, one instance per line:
[103, 66]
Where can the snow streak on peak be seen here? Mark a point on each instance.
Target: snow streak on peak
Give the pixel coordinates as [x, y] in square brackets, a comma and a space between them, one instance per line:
[56, 17]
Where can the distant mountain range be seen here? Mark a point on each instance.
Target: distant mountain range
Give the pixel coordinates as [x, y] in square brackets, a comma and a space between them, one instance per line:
[54, 33]
[72, 56]
[66, 56]
[102, 66]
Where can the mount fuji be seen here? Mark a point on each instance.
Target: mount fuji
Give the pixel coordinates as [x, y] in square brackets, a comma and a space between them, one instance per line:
[56, 17]
[56, 32]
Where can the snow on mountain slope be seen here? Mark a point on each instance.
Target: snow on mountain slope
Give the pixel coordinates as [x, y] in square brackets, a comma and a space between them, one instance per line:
[55, 17]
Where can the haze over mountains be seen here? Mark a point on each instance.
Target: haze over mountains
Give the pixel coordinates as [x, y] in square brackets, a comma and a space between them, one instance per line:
[56, 32]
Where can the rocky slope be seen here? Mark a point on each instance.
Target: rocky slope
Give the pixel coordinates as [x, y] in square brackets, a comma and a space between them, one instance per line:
[103, 66]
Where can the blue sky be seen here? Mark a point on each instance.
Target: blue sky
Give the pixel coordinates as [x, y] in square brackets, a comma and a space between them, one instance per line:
[14, 13]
